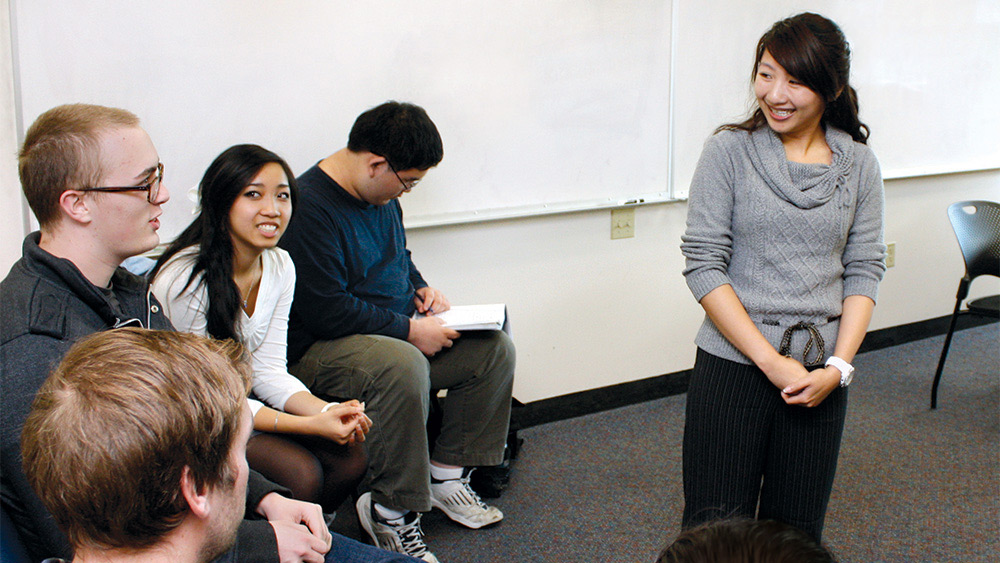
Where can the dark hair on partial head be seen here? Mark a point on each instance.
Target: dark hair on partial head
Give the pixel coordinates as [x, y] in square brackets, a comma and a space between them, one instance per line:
[114, 427]
[742, 540]
[402, 133]
[814, 50]
[222, 183]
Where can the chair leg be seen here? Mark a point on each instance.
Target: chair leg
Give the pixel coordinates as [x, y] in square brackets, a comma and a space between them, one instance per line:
[944, 353]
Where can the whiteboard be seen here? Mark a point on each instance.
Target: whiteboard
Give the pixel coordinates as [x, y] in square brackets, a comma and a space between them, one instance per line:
[926, 73]
[545, 106]
[542, 105]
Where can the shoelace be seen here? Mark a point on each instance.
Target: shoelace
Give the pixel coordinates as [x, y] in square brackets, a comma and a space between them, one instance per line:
[471, 493]
[412, 538]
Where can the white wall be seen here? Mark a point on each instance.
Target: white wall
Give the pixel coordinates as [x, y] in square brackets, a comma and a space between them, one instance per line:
[12, 227]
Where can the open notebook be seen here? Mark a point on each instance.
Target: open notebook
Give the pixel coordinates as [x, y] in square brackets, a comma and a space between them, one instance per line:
[473, 317]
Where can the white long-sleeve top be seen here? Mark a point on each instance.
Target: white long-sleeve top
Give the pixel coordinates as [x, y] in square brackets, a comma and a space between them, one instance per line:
[264, 335]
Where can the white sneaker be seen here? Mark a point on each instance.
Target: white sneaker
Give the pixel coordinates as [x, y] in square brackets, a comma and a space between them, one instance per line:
[462, 504]
[406, 538]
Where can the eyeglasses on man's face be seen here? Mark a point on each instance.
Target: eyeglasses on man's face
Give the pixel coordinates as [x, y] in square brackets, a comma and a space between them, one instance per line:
[152, 189]
[407, 186]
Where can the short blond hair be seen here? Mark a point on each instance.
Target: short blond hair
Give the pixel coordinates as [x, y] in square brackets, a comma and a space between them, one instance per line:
[115, 425]
[61, 151]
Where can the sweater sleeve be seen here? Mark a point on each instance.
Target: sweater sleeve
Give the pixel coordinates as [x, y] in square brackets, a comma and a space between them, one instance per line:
[259, 487]
[707, 243]
[865, 252]
[256, 541]
[271, 381]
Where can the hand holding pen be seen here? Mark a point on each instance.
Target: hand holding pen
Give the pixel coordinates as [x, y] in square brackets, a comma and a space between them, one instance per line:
[430, 301]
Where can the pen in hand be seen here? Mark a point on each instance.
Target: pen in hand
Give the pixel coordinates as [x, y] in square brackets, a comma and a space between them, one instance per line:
[420, 304]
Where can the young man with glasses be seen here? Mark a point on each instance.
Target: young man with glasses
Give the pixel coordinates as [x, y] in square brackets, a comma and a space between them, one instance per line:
[351, 332]
[94, 180]
[67, 283]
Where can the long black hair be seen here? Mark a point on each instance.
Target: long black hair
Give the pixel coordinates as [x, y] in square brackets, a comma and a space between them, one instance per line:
[814, 50]
[223, 182]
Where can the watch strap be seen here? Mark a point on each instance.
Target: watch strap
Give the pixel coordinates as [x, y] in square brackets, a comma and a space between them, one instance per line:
[846, 369]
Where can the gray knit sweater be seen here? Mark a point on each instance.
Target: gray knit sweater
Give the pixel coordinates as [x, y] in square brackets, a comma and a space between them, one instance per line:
[792, 239]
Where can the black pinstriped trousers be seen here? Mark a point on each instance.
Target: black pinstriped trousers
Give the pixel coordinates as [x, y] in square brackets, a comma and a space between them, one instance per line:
[747, 453]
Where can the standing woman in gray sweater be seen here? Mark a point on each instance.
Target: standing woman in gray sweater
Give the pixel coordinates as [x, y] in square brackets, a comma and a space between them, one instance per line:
[784, 252]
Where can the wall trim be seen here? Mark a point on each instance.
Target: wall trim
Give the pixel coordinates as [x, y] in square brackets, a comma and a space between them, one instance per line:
[633, 392]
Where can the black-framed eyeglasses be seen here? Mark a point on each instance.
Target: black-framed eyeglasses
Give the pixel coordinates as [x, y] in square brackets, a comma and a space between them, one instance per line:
[406, 186]
[152, 189]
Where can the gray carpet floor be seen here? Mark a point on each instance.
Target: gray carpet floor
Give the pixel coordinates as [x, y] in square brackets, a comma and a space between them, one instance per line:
[912, 484]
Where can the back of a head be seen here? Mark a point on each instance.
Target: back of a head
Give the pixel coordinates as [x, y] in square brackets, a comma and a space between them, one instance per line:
[402, 133]
[61, 152]
[113, 428]
[745, 541]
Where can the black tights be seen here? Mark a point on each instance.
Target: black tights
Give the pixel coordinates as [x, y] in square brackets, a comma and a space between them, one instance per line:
[314, 469]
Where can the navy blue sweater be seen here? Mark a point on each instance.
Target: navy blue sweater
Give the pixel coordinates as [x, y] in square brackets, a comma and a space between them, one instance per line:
[354, 274]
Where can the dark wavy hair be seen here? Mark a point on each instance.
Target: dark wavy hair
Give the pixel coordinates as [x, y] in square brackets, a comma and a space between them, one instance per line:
[223, 182]
[401, 133]
[814, 50]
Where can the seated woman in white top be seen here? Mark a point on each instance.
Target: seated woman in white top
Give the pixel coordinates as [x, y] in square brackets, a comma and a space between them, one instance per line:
[224, 277]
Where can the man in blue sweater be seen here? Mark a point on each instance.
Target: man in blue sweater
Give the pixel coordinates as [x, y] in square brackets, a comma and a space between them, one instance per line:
[352, 332]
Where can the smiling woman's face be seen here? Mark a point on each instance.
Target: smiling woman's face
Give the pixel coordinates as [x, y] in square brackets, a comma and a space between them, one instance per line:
[791, 107]
[260, 213]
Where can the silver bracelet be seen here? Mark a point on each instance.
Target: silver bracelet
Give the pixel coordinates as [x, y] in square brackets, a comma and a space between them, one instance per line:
[276, 413]
[327, 407]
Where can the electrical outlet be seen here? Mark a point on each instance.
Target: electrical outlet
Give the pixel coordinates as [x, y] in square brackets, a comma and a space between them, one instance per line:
[622, 223]
[890, 257]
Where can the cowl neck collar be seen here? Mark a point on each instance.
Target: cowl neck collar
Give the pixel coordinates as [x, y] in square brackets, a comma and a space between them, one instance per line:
[803, 185]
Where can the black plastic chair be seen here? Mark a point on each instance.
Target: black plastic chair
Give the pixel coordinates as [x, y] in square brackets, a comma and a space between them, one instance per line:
[977, 226]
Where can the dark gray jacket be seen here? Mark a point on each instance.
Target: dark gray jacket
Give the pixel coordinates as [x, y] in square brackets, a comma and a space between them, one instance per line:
[46, 304]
